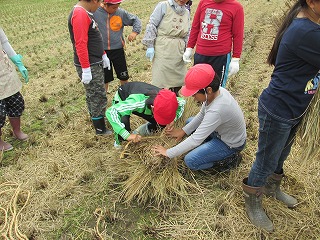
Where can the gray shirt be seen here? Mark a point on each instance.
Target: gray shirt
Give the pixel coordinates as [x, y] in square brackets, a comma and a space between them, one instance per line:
[113, 35]
[223, 116]
[160, 10]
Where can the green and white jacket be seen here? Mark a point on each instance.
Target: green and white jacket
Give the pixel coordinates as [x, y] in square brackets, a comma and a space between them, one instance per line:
[131, 98]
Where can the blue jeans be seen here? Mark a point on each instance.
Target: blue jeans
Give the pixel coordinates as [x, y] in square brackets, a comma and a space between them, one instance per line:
[276, 136]
[213, 149]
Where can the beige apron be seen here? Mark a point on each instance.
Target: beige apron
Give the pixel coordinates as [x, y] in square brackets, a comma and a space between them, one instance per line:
[9, 79]
[168, 68]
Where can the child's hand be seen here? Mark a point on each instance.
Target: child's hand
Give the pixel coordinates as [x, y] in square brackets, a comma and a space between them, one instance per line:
[159, 150]
[134, 138]
[132, 36]
[176, 133]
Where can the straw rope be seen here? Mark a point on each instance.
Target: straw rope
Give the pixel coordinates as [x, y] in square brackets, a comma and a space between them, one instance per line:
[10, 229]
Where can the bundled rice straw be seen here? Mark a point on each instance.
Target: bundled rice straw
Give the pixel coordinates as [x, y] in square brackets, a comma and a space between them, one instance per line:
[309, 130]
[152, 179]
[11, 195]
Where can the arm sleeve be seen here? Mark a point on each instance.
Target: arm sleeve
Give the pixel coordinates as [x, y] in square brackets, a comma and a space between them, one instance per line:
[195, 28]
[6, 45]
[154, 21]
[309, 48]
[124, 108]
[208, 125]
[132, 20]
[180, 110]
[238, 32]
[80, 24]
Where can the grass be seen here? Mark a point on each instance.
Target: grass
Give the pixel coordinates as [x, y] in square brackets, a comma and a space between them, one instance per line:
[70, 172]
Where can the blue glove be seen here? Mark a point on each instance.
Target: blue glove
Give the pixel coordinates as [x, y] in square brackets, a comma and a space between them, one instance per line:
[150, 53]
[16, 59]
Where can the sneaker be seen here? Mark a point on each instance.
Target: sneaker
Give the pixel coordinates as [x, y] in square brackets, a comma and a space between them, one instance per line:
[117, 146]
[229, 163]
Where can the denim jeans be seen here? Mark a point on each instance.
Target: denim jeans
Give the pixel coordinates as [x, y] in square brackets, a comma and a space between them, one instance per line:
[213, 149]
[276, 136]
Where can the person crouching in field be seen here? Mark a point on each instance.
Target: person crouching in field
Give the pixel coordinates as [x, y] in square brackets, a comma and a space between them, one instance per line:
[217, 134]
[90, 60]
[160, 107]
[11, 100]
[295, 55]
[111, 21]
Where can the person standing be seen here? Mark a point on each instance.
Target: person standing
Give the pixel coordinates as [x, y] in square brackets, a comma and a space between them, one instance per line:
[166, 36]
[11, 100]
[217, 32]
[217, 134]
[111, 21]
[90, 59]
[294, 81]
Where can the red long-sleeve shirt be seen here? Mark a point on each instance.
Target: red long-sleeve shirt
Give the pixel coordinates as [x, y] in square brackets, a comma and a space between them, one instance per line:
[218, 28]
[85, 37]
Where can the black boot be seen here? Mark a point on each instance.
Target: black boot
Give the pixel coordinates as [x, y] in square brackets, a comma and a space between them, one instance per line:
[100, 127]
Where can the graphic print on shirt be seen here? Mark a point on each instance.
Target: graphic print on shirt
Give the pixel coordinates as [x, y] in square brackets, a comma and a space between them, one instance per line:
[115, 23]
[312, 85]
[210, 24]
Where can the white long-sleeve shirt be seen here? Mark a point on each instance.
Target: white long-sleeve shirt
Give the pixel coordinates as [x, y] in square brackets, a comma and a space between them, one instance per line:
[223, 116]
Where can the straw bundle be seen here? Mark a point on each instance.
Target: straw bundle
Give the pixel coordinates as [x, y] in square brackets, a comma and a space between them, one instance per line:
[152, 179]
[309, 130]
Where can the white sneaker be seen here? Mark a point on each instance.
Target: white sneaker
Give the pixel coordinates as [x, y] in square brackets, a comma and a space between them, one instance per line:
[117, 146]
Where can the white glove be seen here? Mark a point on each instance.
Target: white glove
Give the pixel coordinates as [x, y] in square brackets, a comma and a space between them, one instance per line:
[233, 66]
[86, 75]
[187, 55]
[105, 61]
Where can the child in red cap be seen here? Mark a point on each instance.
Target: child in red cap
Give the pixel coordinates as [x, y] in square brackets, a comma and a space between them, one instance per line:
[111, 20]
[160, 107]
[217, 133]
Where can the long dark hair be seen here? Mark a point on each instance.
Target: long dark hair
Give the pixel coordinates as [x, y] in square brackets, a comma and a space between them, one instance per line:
[292, 13]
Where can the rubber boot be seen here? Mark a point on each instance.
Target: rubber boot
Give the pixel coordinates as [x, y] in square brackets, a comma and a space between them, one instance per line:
[17, 133]
[253, 202]
[100, 126]
[4, 146]
[272, 188]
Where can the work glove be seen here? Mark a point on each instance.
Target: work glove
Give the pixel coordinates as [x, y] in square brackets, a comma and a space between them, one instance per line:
[17, 60]
[106, 61]
[150, 53]
[86, 75]
[143, 130]
[187, 55]
[233, 66]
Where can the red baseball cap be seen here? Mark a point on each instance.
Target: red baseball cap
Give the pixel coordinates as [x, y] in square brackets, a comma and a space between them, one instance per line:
[112, 1]
[198, 77]
[165, 106]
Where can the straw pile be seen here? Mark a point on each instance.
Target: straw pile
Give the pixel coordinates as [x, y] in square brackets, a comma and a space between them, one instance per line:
[309, 130]
[152, 179]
